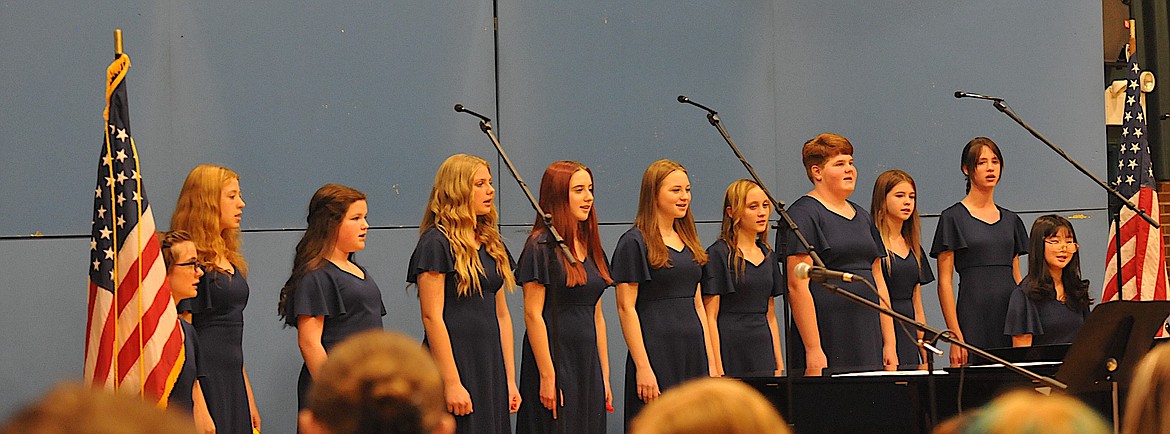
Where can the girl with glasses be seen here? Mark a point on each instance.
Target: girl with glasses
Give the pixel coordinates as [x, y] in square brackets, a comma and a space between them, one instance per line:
[1051, 303]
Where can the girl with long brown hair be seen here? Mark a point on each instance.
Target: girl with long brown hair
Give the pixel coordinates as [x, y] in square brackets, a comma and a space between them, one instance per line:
[328, 296]
[895, 211]
[657, 266]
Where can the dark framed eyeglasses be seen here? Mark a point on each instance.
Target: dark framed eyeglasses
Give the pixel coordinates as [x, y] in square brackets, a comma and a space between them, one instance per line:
[195, 265]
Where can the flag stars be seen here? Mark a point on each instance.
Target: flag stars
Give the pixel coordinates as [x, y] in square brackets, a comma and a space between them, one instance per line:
[1137, 132]
[1141, 117]
[134, 174]
[122, 178]
[97, 265]
[1124, 133]
[1135, 68]
[106, 160]
[1134, 147]
[109, 181]
[121, 199]
[106, 231]
[92, 244]
[1118, 181]
[122, 135]
[101, 212]
[1129, 179]
[121, 221]
[112, 128]
[1133, 84]
[97, 193]
[137, 197]
[121, 156]
[1128, 116]
[109, 253]
[1132, 164]
[1130, 101]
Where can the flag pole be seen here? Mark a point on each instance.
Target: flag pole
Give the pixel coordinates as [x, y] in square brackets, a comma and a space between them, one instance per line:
[117, 43]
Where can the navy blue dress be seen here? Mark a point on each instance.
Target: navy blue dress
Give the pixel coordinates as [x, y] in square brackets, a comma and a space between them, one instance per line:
[192, 370]
[902, 275]
[349, 304]
[983, 259]
[745, 339]
[217, 313]
[474, 332]
[1048, 321]
[578, 367]
[671, 330]
[851, 335]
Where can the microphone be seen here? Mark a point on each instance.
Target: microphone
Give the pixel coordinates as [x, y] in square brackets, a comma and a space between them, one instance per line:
[821, 274]
[459, 108]
[683, 99]
[961, 94]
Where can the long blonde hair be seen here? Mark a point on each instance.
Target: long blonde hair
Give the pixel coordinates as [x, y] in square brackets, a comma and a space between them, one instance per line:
[911, 228]
[709, 405]
[450, 210]
[734, 202]
[646, 222]
[197, 212]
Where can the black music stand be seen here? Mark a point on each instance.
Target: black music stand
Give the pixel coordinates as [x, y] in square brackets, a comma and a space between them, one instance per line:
[1109, 345]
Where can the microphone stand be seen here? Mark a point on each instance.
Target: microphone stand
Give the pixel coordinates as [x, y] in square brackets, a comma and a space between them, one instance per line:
[1002, 106]
[485, 125]
[931, 337]
[778, 206]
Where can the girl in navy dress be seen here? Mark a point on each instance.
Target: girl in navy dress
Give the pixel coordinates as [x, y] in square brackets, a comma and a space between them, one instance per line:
[895, 211]
[460, 266]
[209, 209]
[183, 273]
[982, 242]
[328, 296]
[740, 283]
[657, 266]
[1051, 303]
[582, 367]
[834, 332]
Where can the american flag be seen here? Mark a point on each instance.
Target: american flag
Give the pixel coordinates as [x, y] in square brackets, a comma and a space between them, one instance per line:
[1143, 260]
[133, 341]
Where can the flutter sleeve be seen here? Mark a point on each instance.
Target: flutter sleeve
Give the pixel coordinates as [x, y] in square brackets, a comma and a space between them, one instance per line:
[947, 235]
[317, 294]
[630, 263]
[718, 276]
[1023, 318]
[433, 253]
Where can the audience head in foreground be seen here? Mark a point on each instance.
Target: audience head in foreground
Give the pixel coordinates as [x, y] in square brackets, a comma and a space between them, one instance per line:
[377, 382]
[75, 409]
[710, 405]
[1145, 410]
[1029, 412]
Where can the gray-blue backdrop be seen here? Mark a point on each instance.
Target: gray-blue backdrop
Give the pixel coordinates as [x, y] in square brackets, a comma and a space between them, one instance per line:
[294, 94]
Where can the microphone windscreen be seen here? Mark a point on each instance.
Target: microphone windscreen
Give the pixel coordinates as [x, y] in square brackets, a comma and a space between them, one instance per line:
[459, 108]
[801, 270]
[682, 98]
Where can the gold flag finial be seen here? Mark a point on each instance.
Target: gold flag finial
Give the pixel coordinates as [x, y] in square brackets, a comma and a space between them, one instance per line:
[117, 42]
